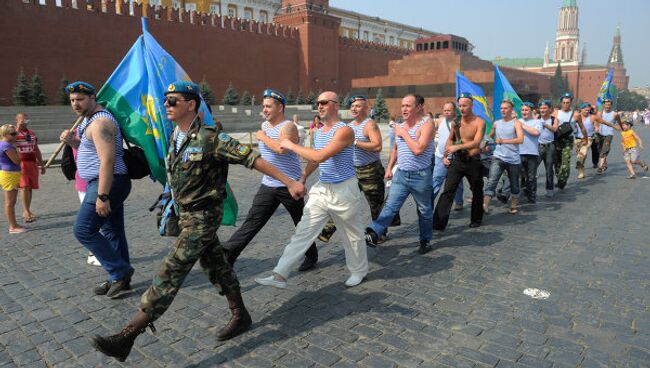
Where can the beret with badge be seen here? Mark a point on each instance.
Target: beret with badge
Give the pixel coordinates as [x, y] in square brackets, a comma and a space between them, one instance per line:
[80, 87]
[185, 87]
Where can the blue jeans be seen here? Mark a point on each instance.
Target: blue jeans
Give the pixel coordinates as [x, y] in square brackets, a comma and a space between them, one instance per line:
[497, 168]
[439, 176]
[109, 246]
[416, 183]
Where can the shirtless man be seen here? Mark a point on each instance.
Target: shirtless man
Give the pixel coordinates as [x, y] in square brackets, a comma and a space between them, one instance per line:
[464, 152]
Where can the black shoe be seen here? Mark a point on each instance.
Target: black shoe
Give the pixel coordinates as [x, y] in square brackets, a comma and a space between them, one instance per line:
[326, 235]
[397, 221]
[502, 198]
[117, 287]
[424, 247]
[371, 238]
[104, 287]
[308, 264]
[474, 224]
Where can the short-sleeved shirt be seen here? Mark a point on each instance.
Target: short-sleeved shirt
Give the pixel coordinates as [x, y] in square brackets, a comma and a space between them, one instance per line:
[507, 152]
[5, 162]
[26, 144]
[197, 173]
[547, 136]
[530, 146]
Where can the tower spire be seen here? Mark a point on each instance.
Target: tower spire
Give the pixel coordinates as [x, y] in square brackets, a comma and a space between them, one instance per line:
[568, 35]
[616, 55]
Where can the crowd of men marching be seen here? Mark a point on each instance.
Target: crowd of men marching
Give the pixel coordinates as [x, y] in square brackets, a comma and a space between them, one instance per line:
[347, 157]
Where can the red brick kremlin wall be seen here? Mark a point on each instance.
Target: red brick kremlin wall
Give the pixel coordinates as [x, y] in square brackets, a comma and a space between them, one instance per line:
[89, 44]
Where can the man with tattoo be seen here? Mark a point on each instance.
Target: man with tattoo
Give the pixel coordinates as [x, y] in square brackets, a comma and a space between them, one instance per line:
[100, 164]
[273, 192]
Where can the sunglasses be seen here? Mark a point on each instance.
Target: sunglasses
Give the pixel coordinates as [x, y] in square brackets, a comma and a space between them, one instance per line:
[325, 102]
[172, 101]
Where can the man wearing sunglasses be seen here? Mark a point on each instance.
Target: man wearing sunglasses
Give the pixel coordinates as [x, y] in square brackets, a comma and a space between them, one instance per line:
[273, 192]
[413, 151]
[367, 161]
[336, 195]
[197, 169]
[30, 162]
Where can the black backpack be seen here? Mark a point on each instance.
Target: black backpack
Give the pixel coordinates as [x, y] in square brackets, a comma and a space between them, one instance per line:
[68, 166]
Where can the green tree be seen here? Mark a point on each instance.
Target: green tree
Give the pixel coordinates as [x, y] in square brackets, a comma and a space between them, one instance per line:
[62, 97]
[290, 98]
[381, 110]
[345, 103]
[300, 99]
[311, 98]
[557, 83]
[206, 92]
[230, 97]
[631, 101]
[38, 96]
[245, 99]
[22, 91]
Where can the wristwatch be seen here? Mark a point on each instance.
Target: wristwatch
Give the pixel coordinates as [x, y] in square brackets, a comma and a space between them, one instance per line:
[102, 197]
[355, 142]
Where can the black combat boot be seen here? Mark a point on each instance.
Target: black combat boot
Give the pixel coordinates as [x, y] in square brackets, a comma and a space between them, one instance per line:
[240, 320]
[119, 346]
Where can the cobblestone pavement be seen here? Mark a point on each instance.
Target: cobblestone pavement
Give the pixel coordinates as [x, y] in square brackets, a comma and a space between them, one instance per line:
[461, 305]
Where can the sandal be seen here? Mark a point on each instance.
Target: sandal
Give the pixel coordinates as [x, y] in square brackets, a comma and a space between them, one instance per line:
[632, 177]
[30, 219]
[513, 211]
[18, 230]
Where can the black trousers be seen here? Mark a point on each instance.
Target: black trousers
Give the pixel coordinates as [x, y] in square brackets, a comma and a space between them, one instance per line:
[473, 171]
[529, 164]
[595, 149]
[547, 155]
[265, 203]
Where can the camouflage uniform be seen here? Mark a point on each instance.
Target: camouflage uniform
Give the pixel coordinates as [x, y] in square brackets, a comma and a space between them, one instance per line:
[581, 151]
[563, 148]
[197, 177]
[371, 183]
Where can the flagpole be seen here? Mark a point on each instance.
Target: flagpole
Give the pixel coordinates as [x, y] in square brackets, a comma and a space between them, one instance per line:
[60, 147]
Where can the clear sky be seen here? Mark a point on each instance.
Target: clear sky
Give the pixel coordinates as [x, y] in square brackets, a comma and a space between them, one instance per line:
[521, 28]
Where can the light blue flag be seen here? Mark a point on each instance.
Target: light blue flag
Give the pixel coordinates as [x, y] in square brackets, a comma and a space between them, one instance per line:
[606, 90]
[480, 108]
[504, 91]
[134, 93]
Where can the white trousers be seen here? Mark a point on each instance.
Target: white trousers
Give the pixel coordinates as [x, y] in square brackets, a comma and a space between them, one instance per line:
[342, 202]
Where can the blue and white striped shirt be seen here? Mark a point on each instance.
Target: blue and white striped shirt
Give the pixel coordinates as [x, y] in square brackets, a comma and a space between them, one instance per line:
[361, 156]
[406, 159]
[87, 158]
[288, 163]
[339, 167]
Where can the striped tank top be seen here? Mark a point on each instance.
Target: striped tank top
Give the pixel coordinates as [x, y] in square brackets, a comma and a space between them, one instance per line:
[406, 159]
[566, 117]
[87, 158]
[361, 156]
[288, 163]
[604, 129]
[339, 167]
[589, 127]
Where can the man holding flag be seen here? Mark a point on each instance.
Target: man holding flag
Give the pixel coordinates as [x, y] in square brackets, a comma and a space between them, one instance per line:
[197, 169]
[609, 122]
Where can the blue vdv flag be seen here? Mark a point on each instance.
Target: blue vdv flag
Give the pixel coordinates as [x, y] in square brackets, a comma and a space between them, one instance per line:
[605, 90]
[504, 91]
[480, 108]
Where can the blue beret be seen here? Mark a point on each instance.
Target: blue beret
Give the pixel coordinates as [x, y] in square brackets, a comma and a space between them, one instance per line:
[82, 87]
[585, 105]
[607, 99]
[464, 95]
[271, 93]
[184, 87]
[566, 95]
[545, 102]
[529, 104]
[356, 98]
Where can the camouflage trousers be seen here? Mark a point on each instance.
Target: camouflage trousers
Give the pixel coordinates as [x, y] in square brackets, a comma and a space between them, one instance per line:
[581, 151]
[563, 148]
[197, 241]
[371, 183]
